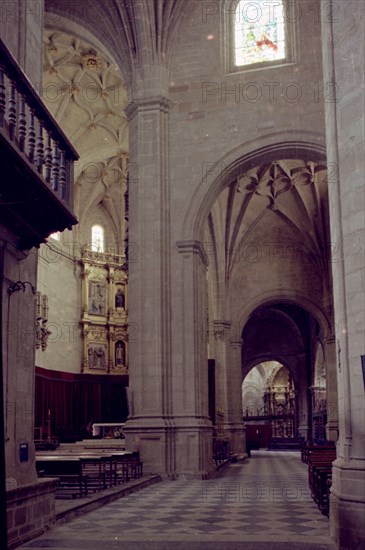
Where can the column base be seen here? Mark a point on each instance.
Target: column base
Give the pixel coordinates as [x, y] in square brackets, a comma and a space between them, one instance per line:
[236, 434]
[347, 505]
[303, 431]
[175, 447]
[332, 431]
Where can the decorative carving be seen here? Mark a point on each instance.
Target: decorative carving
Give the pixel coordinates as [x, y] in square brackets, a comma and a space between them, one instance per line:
[44, 335]
[104, 323]
[38, 333]
[119, 354]
[277, 178]
[52, 49]
[97, 357]
[41, 330]
[120, 298]
[91, 62]
[95, 333]
[97, 299]
[38, 304]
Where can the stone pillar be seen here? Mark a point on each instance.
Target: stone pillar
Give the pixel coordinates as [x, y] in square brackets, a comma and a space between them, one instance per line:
[331, 390]
[220, 330]
[233, 423]
[343, 63]
[150, 428]
[303, 400]
[190, 384]
[18, 313]
[168, 420]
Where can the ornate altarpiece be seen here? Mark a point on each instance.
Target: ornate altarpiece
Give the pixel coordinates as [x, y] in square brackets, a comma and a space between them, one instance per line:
[104, 318]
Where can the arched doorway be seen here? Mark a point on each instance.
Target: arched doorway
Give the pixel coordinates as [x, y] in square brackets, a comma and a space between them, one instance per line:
[269, 282]
[269, 406]
[293, 336]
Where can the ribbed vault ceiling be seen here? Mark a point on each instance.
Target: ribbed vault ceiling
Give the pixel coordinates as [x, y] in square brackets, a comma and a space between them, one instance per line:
[140, 32]
[294, 191]
[85, 92]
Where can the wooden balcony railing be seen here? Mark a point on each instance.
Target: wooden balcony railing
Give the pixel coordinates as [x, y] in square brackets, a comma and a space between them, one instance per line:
[28, 129]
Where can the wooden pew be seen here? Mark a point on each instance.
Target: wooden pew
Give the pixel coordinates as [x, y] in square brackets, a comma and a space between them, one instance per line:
[321, 492]
[122, 472]
[133, 464]
[71, 481]
[96, 469]
[307, 450]
[319, 472]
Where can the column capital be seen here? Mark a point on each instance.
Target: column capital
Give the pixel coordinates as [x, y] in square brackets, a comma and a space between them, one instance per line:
[221, 323]
[235, 344]
[146, 104]
[193, 247]
[220, 328]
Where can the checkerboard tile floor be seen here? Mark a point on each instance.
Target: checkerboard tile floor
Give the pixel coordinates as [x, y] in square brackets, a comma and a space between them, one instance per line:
[262, 503]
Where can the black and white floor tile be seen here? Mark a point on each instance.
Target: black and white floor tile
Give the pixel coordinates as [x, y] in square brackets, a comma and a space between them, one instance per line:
[262, 503]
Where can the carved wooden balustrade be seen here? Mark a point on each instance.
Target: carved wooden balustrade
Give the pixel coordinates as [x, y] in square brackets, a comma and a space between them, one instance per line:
[36, 158]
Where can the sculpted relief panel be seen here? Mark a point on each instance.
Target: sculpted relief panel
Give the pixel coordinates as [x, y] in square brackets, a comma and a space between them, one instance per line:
[97, 298]
[104, 314]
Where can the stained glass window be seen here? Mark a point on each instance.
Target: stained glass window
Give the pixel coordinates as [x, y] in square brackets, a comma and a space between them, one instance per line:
[97, 238]
[259, 31]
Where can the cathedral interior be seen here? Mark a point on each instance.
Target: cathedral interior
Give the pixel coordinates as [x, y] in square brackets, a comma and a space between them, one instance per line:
[182, 268]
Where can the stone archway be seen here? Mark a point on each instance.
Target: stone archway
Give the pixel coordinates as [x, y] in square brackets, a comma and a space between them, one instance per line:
[218, 175]
[261, 236]
[289, 332]
[269, 406]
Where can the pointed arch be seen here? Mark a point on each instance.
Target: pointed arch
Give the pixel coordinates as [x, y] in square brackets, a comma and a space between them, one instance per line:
[217, 175]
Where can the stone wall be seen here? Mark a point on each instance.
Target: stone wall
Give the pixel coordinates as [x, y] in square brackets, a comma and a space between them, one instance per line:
[18, 311]
[30, 503]
[30, 511]
[59, 277]
[216, 114]
[21, 28]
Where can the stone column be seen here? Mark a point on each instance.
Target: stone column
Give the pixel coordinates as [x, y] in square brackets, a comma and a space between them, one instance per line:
[303, 397]
[190, 384]
[345, 155]
[18, 365]
[331, 390]
[150, 428]
[220, 330]
[233, 423]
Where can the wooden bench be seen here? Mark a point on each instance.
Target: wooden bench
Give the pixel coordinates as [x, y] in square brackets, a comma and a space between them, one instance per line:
[307, 450]
[71, 481]
[317, 459]
[321, 488]
[132, 464]
[319, 462]
[96, 469]
[122, 472]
